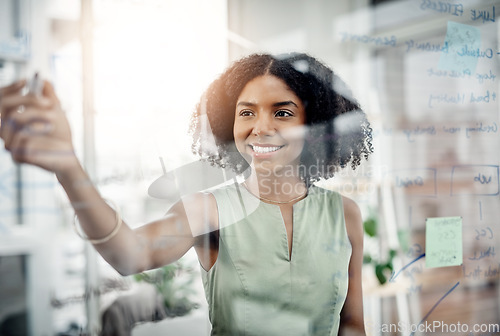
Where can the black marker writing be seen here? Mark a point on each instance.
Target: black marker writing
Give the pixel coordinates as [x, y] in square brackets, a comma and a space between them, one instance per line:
[488, 233]
[478, 98]
[378, 41]
[483, 179]
[427, 46]
[480, 213]
[478, 53]
[442, 7]
[483, 15]
[466, 73]
[410, 133]
[479, 273]
[489, 252]
[485, 76]
[459, 98]
[394, 275]
[451, 130]
[480, 128]
[437, 303]
[409, 182]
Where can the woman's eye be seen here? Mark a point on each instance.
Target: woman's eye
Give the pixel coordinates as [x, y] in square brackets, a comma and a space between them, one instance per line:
[245, 113]
[283, 113]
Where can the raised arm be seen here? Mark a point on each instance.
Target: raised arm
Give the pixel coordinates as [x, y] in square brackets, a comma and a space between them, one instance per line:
[36, 131]
[153, 245]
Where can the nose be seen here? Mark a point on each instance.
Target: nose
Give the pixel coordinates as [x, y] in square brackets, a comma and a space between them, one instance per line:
[263, 125]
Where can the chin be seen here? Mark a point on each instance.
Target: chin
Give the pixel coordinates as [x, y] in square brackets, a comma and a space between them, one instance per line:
[263, 167]
[280, 169]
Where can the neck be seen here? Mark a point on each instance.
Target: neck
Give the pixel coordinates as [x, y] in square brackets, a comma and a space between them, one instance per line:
[278, 187]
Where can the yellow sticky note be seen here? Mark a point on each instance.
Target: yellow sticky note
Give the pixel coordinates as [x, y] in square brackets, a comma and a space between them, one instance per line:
[443, 241]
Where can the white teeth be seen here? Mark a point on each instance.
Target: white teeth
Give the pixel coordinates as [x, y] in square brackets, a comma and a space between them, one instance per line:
[262, 150]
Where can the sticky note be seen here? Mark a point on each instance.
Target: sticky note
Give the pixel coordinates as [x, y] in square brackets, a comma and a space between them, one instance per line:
[443, 241]
[461, 49]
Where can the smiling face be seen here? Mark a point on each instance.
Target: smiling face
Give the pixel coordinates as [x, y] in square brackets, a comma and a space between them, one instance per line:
[268, 127]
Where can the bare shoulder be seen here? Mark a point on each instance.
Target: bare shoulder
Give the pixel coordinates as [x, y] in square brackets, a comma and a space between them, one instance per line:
[353, 219]
[200, 210]
[170, 237]
[201, 198]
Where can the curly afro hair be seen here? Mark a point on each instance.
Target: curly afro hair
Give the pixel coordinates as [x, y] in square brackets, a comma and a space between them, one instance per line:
[338, 132]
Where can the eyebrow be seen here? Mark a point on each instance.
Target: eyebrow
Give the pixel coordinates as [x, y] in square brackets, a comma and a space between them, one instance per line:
[278, 104]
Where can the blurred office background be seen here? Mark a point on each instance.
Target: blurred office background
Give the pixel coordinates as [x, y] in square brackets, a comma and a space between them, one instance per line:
[129, 73]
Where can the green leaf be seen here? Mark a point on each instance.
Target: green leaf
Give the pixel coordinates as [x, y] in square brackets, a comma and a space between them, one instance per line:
[370, 226]
[367, 259]
[379, 272]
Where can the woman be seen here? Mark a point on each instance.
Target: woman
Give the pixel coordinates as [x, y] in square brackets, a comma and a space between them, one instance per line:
[279, 256]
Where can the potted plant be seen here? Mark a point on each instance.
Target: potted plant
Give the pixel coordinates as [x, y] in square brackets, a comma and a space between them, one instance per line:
[382, 266]
[174, 283]
[167, 293]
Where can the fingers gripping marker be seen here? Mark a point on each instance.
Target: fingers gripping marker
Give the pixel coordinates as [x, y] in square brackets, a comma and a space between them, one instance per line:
[35, 85]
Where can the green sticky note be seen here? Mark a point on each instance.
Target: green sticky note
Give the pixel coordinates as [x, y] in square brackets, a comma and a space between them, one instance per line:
[443, 241]
[461, 48]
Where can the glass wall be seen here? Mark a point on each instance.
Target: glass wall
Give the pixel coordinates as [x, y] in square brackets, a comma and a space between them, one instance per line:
[130, 73]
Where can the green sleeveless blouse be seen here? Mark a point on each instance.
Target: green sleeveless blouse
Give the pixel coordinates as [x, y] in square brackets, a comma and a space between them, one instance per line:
[255, 288]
